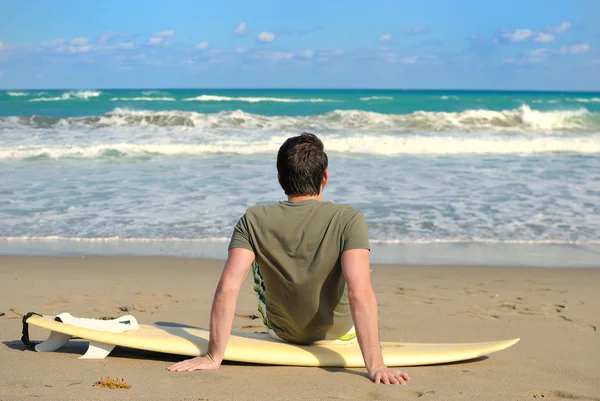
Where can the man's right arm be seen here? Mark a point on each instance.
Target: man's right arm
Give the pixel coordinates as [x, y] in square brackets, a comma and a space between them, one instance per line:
[222, 313]
[363, 306]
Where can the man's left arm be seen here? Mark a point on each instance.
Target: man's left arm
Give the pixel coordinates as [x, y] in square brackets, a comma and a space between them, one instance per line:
[222, 313]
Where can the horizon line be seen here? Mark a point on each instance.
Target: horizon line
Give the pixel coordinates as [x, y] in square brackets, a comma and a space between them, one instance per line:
[307, 89]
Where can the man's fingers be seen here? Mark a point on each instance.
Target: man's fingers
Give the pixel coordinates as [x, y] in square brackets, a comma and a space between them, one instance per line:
[378, 378]
[405, 376]
[394, 380]
[177, 368]
[181, 366]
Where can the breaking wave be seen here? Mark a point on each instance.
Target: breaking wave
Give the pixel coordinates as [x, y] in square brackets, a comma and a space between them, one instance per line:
[367, 98]
[17, 94]
[143, 99]
[68, 96]
[523, 119]
[211, 98]
[385, 145]
[584, 100]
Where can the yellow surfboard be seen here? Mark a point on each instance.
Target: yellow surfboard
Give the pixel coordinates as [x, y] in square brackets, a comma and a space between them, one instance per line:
[253, 347]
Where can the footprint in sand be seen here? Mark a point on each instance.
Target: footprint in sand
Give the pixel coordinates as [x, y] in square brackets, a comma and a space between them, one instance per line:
[153, 294]
[415, 296]
[559, 395]
[140, 307]
[511, 307]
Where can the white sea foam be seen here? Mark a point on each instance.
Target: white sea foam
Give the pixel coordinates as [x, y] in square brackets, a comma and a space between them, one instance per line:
[143, 99]
[68, 96]
[211, 98]
[484, 241]
[385, 145]
[113, 239]
[450, 97]
[17, 94]
[584, 100]
[367, 98]
[147, 93]
[53, 238]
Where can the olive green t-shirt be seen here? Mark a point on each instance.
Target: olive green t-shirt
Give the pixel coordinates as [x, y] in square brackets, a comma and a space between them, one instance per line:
[298, 248]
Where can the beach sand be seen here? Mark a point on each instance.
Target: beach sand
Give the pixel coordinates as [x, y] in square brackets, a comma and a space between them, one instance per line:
[555, 312]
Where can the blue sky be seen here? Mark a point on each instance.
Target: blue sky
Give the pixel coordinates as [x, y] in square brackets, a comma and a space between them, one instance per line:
[462, 44]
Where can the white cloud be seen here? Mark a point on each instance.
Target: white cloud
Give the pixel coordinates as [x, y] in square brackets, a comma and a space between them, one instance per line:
[278, 56]
[202, 45]
[385, 37]
[164, 34]
[241, 50]
[266, 37]
[579, 48]
[241, 29]
[519, 35]
[53, 42]
[308, 53]
[595, 61]
[80, 41]
[79, 49]
[409, 60]
[416, 30]
[561, 28]
[538, 52]
[1, 44]
[534, 56]
[544, 37]
[391, 57]
[154, 41]
[126, 45]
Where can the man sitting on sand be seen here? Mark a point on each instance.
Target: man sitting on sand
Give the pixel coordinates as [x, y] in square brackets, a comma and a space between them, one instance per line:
[310, 261]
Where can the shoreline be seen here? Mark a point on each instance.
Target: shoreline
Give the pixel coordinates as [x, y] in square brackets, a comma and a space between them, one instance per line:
[426, 254]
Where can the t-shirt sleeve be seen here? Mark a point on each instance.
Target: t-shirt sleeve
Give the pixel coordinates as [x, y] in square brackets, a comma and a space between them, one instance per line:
[356, 232]
[241, 235]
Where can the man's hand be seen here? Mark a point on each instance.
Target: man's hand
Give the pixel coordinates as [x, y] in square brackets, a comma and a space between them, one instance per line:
[198, 363]
[387, 375]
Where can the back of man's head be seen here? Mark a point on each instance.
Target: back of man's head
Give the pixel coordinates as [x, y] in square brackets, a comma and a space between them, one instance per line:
[301, 164]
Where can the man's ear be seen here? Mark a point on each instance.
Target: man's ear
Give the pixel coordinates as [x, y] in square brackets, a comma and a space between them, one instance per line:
[325, 178]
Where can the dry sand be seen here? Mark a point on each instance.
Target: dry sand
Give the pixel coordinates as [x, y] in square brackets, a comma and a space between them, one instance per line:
[556, 312]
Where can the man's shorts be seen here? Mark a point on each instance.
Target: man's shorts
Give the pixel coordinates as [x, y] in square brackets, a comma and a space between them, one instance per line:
[259, 289]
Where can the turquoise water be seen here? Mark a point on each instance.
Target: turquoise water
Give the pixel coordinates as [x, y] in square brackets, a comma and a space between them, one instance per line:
[60, 103]
[426, 167]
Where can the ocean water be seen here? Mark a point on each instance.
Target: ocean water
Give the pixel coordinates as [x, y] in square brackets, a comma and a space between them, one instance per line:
[450, 169]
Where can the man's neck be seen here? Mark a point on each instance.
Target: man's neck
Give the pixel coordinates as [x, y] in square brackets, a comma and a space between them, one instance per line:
[294, 198]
